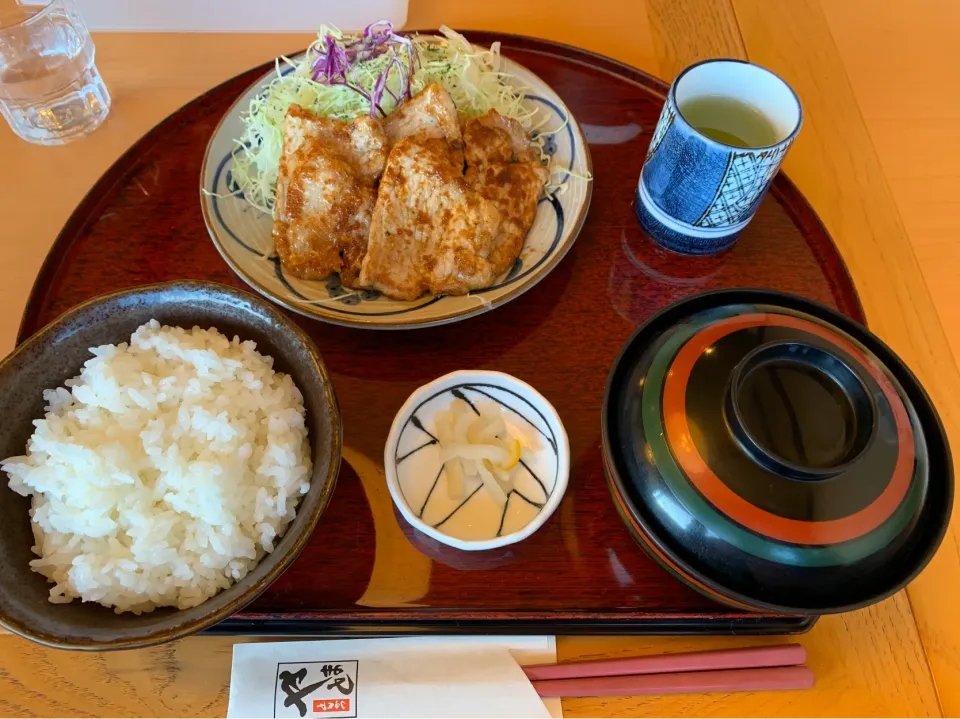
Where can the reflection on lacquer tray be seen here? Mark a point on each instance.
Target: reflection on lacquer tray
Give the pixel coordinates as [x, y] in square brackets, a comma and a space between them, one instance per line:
[643, 267]
[433, 351]
[451, 556]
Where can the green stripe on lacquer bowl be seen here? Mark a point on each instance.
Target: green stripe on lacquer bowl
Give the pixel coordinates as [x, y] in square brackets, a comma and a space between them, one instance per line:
[651, 550]
[729, 531]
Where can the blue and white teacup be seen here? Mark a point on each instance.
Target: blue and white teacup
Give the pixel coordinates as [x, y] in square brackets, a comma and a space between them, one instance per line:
[696, 195]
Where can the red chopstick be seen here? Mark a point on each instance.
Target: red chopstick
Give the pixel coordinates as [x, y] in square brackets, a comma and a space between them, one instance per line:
[773, 656]
[723, 680]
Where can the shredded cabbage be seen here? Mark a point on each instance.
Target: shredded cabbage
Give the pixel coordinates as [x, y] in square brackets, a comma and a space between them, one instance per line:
[471, 75]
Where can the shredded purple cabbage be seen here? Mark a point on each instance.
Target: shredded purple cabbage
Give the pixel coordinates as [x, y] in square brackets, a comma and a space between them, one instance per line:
[335, 59]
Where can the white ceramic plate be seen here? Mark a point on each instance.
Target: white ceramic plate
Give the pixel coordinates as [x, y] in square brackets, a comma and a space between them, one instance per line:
[243, 234]
[417, 479]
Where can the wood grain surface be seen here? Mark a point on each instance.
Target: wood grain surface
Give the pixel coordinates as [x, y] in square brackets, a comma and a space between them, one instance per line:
[875, 79]
[848, 187]
[915, 136]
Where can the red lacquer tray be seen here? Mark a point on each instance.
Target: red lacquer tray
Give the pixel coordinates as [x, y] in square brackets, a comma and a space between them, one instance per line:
[365, 571]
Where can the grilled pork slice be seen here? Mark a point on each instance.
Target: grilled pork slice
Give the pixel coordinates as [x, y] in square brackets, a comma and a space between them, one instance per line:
[326, 191]
[495, 138]
[431, 231]
[514, 189]
[504, 167]
[429, 113]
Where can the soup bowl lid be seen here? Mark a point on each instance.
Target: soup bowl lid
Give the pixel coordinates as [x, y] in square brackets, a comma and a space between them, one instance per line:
[774, 454]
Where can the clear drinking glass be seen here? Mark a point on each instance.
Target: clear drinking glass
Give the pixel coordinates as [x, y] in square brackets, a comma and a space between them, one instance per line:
[50, 89]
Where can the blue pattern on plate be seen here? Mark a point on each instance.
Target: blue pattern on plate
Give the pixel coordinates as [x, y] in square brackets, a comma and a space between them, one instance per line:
[566, 125]
[216, 207]
[550, 145]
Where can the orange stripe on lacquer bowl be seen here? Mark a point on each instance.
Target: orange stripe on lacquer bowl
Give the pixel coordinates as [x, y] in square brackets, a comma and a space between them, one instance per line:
[732, 504]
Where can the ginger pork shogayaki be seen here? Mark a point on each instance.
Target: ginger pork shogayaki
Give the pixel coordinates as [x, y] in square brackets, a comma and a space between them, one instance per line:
[423, 201]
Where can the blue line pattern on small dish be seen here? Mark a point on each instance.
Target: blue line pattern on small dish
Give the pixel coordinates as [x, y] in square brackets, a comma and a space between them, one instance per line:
[483, 390]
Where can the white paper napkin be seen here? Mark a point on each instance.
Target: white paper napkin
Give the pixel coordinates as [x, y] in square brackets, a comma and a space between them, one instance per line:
[406, 677]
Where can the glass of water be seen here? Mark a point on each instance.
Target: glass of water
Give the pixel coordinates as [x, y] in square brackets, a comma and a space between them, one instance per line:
[50, 89]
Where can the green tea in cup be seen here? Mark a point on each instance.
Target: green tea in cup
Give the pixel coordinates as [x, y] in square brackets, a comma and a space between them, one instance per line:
[729, 120]
[722, 135]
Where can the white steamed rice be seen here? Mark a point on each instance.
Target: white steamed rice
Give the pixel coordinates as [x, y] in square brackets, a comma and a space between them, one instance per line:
[165, 471]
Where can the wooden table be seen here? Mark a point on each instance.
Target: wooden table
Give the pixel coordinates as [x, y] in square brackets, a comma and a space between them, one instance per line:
[878, 159]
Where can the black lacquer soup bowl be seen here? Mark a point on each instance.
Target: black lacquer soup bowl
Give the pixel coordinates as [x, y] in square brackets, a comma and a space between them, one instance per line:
[774, 454]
